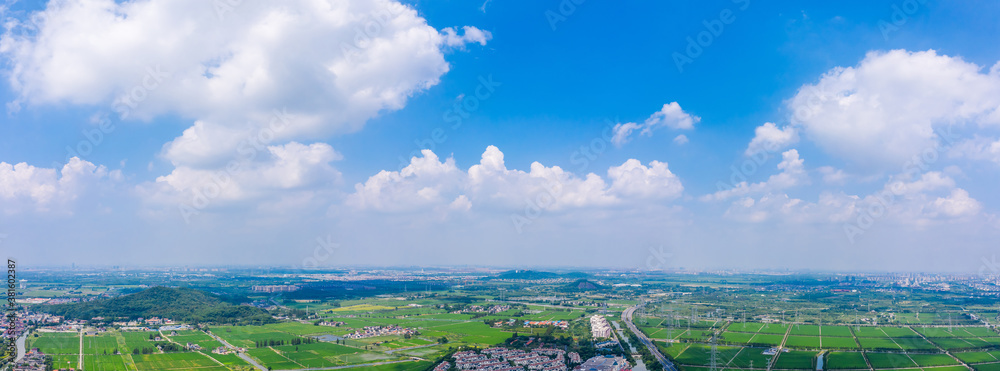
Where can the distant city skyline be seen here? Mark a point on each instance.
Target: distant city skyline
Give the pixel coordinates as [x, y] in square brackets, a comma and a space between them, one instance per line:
[646, 136]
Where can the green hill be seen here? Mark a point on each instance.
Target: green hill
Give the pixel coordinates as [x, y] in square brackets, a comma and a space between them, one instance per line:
[179, 304]
[583, 285]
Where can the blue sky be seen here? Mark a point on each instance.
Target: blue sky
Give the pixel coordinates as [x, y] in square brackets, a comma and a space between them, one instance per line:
[567, 78]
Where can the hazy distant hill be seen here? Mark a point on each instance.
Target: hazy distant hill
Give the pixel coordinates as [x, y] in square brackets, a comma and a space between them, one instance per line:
[583, 285]
[537, 275]
[179, 304]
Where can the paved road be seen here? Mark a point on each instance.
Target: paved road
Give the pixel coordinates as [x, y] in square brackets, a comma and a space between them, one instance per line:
[627, 318]
[80, 366]
[20, 346]
[241, 355]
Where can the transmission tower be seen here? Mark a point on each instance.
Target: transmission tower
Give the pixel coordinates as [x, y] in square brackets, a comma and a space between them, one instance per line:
[712, 361]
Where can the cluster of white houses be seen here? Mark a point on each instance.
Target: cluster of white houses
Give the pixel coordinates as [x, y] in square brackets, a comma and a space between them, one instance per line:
[541, 359]
[275, 288]
[370, 331]
[503, 359]
[600, 327]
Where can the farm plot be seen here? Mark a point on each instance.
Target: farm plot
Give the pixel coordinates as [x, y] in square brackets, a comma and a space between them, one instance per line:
[915, 343]
[104, 363]
[137, 340]
[890, 360]
[957, 343]
[247, 336]
[65, 360]
[750, 356]
[766, 339]
[796, 360]
[899, 332]
[174, 361]
[474, 332]
[976, 357]
[100, 344]
[736, 337]
[197, 337]
[927, 360]
[987, 367]
[940, 332]
[270, 359]
[839, 331]
[845, 361]
[878, 344]
[810, 330]
[700, 355]
[807, 342]
[228, 359]
[773, 328]
[56, 343]
[745, 327]
[869, 332]
[830, 342]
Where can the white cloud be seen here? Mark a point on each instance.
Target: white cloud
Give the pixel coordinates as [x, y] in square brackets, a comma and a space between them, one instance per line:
[832, 175]
[681, 139]
[830, 208]
[280, 169]
[622, 133]
[886, 109]
[633, 180]
[792, 174]
[977, 148]
[470, 35]
[768, 138]
[24, 187]
[231, 71]
[933, 197]
[428, 183]
[421, 184]
[670, 115]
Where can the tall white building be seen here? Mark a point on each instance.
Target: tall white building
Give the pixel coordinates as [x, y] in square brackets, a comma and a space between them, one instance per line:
[600, 327]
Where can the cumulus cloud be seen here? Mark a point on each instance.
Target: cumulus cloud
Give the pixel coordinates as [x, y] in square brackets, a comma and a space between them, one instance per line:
[147, 58]
[977, 148]
[430, 183]
[634, 180]
[470, 35]
[425, 182]
[832, 175]
[24, 187]
[792, 173]
[829, 208]
[279, 169]
[768, 138]
[888, 108]
[931, 197]
[670, 115]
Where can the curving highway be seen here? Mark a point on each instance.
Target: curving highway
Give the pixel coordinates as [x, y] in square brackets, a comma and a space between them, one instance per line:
[627, 318]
